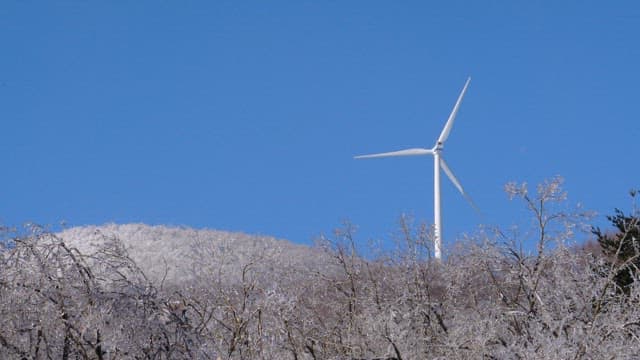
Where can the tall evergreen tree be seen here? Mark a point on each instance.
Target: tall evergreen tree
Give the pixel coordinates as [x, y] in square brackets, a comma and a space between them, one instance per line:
[622, 247]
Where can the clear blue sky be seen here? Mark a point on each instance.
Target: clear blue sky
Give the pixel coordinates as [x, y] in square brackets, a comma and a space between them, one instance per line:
[245, 116]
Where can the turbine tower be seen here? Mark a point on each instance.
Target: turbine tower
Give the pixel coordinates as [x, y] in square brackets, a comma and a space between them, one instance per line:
[438, 162]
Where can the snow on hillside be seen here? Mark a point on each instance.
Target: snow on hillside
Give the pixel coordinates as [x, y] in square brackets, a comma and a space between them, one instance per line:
[179, 254]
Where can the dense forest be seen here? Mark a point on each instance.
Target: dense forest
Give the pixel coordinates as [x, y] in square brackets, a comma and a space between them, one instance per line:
[142, 292]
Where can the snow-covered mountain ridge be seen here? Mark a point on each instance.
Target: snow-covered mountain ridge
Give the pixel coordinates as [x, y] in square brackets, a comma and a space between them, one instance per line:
[178, 254]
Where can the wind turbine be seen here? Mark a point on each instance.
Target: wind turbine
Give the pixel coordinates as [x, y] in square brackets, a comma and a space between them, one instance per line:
[438, 162]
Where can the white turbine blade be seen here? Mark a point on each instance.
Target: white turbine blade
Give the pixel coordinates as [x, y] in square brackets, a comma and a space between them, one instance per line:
[447, 170]
[452, 177]
[407, 152]
[447, 127]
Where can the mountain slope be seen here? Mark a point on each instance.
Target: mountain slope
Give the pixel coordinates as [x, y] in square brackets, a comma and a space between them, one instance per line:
[174, 255]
